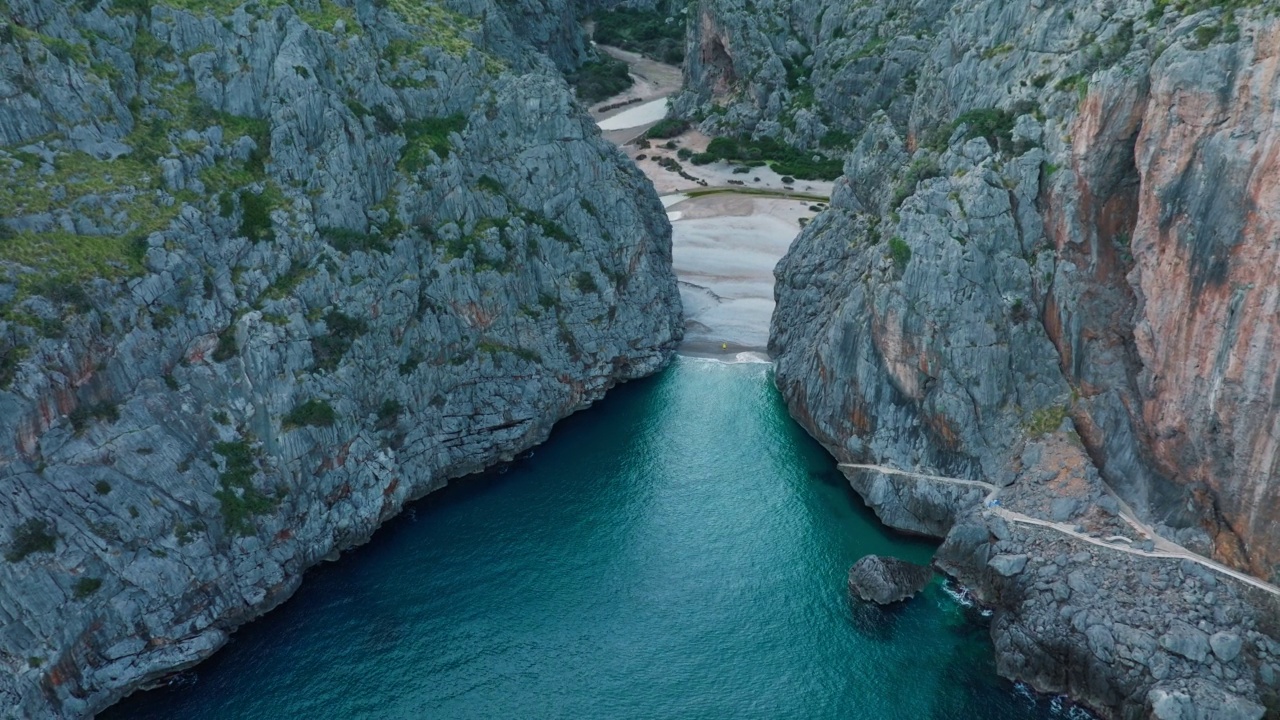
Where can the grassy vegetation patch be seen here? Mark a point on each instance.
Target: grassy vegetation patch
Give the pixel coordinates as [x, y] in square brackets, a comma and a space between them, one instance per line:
[72, 257]
[991, 123]
[585, 282]
[443, 28]
[341, 332]
[488, 184]
[411, 363]
[1188, 7]
[1046, 420]
[784, 159]
[313, 413]
[57, 47]
[349, 241]
[129, 186]
[32, 536]
[550, 228]
[321, 15]
[85, 586]
[85, 412]
[255, 219]
[288, 281]
[227, 346]
[920, 170]
[900, 251]
[426, 136]
[667, 128]
[651, 33]
[599, 79]
[240, 501]
[474, 243]
[836, 139]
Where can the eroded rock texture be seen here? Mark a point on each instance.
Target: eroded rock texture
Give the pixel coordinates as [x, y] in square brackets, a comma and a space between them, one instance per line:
[885, 580]
[267, 272]
[1049, 267]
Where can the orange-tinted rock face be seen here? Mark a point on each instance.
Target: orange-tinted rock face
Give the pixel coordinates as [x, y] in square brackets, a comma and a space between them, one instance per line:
[1207, 254]
[714, 56]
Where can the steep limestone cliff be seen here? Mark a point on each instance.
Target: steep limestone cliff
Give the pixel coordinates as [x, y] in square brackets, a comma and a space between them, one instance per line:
[267, 272]
[1049, 267]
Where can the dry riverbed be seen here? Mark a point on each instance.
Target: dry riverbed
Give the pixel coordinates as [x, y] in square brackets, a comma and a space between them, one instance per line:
[724, 244]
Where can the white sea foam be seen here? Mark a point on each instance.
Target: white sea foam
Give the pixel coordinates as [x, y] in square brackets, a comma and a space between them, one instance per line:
[750, 357]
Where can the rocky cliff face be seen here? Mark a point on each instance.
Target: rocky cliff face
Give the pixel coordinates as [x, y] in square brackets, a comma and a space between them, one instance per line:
[267, 272]
[1049, 266]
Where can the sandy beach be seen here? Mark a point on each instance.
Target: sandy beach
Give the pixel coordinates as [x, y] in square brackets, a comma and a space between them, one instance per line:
[725, 242]
[724, 249]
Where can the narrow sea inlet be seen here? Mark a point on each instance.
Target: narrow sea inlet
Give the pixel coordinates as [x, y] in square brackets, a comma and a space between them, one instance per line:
[677, 551]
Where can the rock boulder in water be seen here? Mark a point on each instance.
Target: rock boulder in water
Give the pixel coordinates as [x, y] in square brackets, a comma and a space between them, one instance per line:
[885, 580]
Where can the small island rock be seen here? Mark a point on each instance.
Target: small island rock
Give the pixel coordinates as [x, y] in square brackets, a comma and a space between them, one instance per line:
[885, 580]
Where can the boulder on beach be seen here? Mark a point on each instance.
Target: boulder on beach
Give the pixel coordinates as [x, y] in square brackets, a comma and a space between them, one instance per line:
[885, 580]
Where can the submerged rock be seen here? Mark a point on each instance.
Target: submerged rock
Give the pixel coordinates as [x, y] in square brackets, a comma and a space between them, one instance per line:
[885, 580]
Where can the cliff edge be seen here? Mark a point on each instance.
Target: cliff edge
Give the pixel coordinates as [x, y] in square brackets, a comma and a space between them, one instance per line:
[1044, 293]
[268, 271]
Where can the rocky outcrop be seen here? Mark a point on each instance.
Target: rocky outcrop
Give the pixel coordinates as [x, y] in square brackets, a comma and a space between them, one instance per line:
[267, 272]
[885, 580]
[1047, 269]
[1129, 635]
[795, 69]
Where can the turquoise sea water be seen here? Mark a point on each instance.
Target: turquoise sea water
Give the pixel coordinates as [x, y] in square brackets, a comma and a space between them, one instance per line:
[680, 550]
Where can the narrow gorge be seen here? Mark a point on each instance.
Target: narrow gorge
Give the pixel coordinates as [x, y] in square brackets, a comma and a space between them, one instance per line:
[270, 272]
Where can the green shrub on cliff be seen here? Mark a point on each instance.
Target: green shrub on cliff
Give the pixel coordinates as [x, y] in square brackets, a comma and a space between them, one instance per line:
[314, 413]
[900, 251]
[341, 332]
[991, 123]
[85, 587]
[348, 241]
[255, 223]
[85, 412]
[32, 536]
[1046, 420]
[10, 356]
[227, 346]
[238, 498]
[919, 171]
[428, 135]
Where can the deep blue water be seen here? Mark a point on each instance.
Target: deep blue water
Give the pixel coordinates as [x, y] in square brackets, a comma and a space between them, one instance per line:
[677, 551]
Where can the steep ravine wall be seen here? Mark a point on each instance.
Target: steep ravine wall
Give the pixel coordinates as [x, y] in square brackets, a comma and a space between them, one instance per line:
[1049, 266]
[268, 272]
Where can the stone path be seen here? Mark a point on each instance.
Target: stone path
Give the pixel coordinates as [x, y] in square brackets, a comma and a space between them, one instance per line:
[1166, 549]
